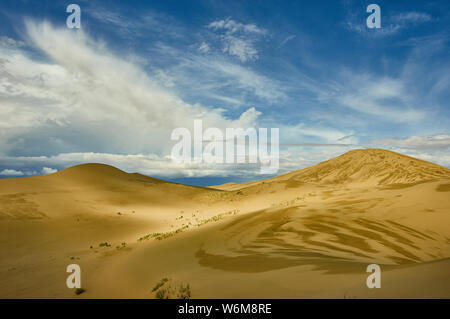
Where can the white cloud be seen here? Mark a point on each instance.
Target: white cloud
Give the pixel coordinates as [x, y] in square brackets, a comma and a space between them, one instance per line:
[48, 170]
[11, 172]
[86, 98]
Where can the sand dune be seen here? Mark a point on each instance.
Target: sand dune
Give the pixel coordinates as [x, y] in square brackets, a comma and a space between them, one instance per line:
[306, 234]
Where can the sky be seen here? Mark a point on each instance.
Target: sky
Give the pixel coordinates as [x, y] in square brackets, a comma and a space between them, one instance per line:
[113, 90]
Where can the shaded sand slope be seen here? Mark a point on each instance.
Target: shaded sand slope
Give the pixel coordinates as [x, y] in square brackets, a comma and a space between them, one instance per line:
[309, 233]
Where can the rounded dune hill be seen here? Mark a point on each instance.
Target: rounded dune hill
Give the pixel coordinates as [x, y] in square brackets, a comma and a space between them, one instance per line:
[86, 188]
[372, 165]
[97, 174]
[93, 175]
[361, 166]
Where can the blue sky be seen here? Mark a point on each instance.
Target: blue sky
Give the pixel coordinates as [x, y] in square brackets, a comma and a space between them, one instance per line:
[113, 90]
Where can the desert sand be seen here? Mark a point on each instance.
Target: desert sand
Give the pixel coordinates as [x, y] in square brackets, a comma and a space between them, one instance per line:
[307, 234]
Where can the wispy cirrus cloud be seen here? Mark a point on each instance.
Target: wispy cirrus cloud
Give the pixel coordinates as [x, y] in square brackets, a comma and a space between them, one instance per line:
[385, 99]
[204, 47]
[199, 76]
[143, 24]
[238, 39]
[202, 66]
[232, 27]
[391, 24]
[411, 17]
[287, 39]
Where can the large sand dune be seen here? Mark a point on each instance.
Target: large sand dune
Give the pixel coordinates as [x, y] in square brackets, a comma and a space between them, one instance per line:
[306, 234]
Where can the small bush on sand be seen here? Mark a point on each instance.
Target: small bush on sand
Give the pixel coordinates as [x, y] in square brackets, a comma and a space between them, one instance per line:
[169, 291]
[184, 291]
[121, 246]
[79, 291]
[160, 284]
[162, 294]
